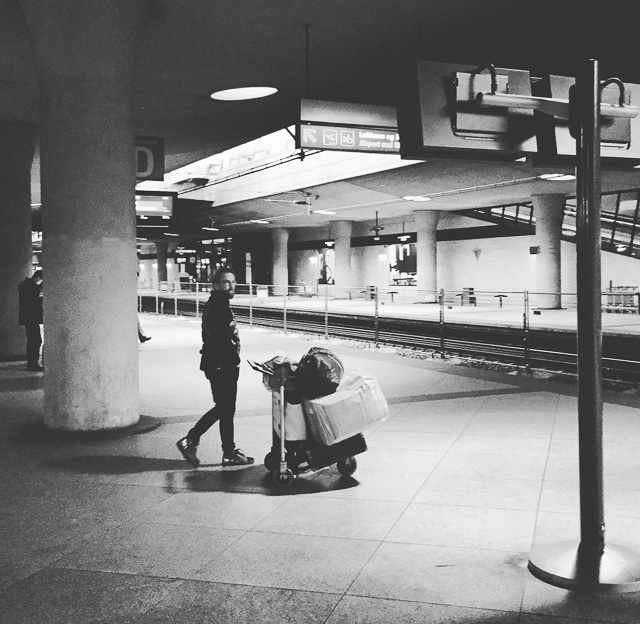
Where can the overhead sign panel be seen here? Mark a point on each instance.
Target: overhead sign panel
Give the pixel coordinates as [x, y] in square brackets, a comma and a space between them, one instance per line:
[619, 138]
[439, 115]
[350, 139]
[347, 114]
[347, 127]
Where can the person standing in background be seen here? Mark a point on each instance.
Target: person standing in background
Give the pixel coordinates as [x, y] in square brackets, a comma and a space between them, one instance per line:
[30, 317]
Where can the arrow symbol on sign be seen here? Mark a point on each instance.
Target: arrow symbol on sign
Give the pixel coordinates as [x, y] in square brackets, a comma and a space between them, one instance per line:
[309, 135]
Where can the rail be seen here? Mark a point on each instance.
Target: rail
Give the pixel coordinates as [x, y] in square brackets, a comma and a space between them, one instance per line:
[504, 326]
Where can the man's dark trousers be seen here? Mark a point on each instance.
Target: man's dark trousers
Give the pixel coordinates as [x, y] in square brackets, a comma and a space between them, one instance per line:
[224, 388]
[34, 342]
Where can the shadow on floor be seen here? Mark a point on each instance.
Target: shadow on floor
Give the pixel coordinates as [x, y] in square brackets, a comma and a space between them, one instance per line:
[34, 381]
[444, 396]
[208, 478]
[257, 480]
[115, 464]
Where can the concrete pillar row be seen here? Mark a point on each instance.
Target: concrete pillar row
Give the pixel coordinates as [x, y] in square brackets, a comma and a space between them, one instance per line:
[162, 250]
[17, 146]
[549, 212]
[341, 232]
[280, 260]
[85, 61]
[427, 261]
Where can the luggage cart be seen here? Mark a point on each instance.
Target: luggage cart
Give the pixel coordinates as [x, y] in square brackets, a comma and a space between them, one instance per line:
[288, 459]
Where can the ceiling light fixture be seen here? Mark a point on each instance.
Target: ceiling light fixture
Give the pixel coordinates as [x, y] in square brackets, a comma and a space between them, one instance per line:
[376, 229]
[416, 198]
[324, 212]
[403, 237]
[557, 177]
[195, 181]
[258, 221]
[243, 93]
[308, 199]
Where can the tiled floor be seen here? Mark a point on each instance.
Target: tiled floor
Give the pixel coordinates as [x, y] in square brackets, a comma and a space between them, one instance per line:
[436, 525]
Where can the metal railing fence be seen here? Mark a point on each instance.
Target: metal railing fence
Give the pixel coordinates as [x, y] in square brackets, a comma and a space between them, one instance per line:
[508, 325]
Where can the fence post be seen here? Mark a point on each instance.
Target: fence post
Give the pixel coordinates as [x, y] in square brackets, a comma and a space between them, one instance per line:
[525, 327]
[197, 301]
[441, 302]
[175, 303]
[284, 308]
[326, 312]
[250, 304]
[157, 303]
[162, 308]
[377, 318]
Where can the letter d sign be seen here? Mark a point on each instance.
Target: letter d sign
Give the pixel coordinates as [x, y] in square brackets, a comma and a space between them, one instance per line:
[149, 158]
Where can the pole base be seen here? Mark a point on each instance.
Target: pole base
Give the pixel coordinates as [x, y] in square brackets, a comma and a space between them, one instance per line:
[566, 565]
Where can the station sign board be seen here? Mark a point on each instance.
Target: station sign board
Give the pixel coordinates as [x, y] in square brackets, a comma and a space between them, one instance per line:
[347, 127]
[149, 158]
[347, 138]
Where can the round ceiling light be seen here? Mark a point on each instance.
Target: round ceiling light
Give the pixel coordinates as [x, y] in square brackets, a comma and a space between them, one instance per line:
[243, 93]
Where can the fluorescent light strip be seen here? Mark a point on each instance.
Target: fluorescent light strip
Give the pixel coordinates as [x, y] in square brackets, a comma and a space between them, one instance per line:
[243, 93]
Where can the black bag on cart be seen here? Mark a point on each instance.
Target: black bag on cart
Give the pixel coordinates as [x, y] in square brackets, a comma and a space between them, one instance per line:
[319, 373]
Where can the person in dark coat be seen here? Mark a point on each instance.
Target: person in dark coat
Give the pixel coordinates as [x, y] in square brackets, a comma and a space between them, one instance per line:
[220, 362]
[30, 316]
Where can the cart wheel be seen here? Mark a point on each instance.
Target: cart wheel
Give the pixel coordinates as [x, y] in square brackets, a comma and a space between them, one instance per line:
[282, 479]
[271, 461]
[347, 467]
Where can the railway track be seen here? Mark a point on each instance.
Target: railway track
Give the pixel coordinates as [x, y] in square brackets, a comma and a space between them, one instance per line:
[543, 349]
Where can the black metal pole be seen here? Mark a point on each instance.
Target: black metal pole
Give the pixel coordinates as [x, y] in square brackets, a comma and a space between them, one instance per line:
[587, 565]
[588, 243]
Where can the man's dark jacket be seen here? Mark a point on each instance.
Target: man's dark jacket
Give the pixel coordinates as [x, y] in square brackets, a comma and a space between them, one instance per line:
[30, 303]
[220, 339]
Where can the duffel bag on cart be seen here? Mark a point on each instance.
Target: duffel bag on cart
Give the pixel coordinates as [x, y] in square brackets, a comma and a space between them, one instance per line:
[357, 404]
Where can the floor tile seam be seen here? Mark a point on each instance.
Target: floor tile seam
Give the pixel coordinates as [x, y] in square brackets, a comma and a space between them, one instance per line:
[233, 541]
[609, 487]
[542, 488]
[329, 494]
[128, 574]
[474, 548]
[455, 453]
[428, 476]
[318, 535]
[135, 524]
[364, 565]
[229, 545]
[195, 525]
[483, 507]
[435, 604]
[424, 482]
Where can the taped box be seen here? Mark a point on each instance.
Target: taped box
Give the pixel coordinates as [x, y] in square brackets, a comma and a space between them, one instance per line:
[357, 404]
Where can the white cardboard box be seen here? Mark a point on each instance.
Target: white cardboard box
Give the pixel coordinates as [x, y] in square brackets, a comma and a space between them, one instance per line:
[295, 424]
[357, 404]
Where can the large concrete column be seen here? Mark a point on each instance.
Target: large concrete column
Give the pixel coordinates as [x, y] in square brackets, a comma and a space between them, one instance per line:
[84, 53]
[549, 212]
[162, 249]
[427, 260]
[17, 145]
[280, 260]
[341, 232]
